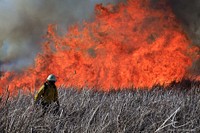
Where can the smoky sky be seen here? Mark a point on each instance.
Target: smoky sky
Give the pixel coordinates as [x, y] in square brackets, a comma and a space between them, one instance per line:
[24, 22]
[188, 13]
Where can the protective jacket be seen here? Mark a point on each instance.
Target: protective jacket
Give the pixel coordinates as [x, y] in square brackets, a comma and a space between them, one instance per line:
[47, 93]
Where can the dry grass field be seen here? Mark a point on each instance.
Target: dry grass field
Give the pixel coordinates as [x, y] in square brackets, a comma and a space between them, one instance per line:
[173, 109]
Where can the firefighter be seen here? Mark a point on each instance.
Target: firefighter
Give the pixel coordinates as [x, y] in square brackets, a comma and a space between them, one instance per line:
[47, 94]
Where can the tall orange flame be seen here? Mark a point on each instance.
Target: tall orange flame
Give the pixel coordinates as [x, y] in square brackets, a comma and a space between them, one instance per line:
[129, 45]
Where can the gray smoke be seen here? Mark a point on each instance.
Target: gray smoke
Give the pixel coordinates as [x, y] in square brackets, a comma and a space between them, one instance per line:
[188, 12]
[24, 22]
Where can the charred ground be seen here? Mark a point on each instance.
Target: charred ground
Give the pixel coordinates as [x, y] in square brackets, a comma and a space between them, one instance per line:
[173, 109]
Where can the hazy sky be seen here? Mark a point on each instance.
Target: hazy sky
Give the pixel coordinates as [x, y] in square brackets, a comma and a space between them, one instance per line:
[23, 22]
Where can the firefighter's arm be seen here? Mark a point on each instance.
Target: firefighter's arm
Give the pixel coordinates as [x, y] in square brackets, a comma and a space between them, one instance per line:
[39, 94]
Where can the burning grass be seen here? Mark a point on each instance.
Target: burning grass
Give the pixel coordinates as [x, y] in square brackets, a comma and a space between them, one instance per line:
[176, 108]
[130, 44]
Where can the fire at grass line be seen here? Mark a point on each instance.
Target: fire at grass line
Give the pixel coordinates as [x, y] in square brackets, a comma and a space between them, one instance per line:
[173, 109]
[132, 44]
[122, 48]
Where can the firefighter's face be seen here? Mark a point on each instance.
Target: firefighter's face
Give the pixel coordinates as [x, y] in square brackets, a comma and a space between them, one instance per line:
[52, 82]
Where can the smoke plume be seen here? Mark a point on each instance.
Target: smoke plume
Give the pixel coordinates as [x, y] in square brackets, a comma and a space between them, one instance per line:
[187, 11]
[24, 22]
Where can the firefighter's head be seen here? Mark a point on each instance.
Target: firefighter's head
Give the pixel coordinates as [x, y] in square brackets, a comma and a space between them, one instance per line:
[51, 78]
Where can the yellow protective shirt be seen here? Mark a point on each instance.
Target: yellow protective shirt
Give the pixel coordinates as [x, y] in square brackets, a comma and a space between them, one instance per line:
[47, 93]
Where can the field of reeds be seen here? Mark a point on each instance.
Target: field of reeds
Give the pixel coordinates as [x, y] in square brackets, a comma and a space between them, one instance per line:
[172, 109]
